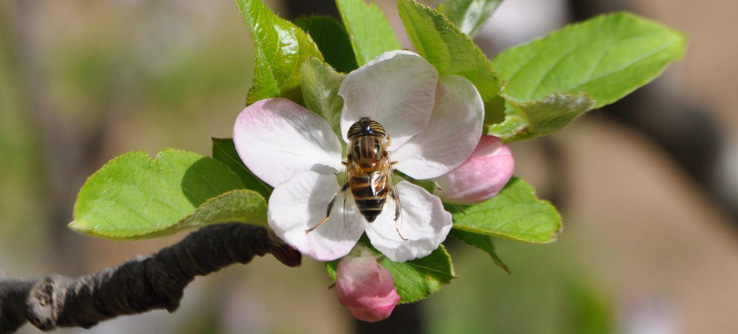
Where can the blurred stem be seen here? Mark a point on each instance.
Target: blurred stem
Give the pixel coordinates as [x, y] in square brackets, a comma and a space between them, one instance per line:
[298, 8]
[66, 155]
[553, 155]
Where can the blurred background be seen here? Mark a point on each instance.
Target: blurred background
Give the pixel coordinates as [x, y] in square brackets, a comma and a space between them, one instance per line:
[648, 187]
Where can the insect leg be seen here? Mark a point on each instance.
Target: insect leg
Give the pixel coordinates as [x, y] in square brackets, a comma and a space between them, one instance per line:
[344, 208]
[398, 208]
[330, 208]
[396, 197]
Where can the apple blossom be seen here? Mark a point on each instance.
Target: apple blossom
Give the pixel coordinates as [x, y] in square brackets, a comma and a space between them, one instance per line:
[481, 176]
[434, 123]
[366, 288]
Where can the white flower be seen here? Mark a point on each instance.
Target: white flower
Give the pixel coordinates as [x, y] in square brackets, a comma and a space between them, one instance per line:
[434, 125]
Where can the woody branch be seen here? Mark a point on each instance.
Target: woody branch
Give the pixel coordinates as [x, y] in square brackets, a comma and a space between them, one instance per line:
[142, 284]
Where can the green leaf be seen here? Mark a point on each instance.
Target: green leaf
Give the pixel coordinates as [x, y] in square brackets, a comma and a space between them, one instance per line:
[371, 34]
[417, 279]
[134, 197]
[481, 241]
[537, 118]
[605, 58]
[240, 205]
[515, 213]
[225, 151]
[281, 48]
[469, 15]
[449, 50]
[332, 40]
[512, 128]
[320, 85]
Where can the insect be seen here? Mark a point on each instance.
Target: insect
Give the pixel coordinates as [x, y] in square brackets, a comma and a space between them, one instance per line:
[368, 172]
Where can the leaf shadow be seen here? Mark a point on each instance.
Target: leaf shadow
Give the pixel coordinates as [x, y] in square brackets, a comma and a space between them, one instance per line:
[207, 178]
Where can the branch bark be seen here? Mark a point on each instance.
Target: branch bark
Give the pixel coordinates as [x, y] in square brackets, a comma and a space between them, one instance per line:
[139, 285]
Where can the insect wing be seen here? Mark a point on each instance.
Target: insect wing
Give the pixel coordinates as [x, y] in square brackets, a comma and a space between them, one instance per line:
[349, 212]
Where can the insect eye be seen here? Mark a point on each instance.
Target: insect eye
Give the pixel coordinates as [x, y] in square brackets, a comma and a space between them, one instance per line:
[365, 126]
[377, 128]
[354, 130]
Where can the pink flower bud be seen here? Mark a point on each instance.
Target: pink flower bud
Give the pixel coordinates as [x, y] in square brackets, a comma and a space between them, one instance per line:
[366, 288]
[481, 176]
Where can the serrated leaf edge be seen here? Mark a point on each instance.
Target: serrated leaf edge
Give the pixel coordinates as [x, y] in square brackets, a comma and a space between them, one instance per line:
[554, 235]
[76, 225]
[174, 228]
[467, 39]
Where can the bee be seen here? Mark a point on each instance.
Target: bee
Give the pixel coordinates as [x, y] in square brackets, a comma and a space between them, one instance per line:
[368, 172]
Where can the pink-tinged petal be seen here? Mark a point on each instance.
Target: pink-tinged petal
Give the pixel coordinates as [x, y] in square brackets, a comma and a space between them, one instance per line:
[423, 223]
[366, 288]
[481, 176]
[453, 132]
[301, 203]
[396, 89]
[277, 138]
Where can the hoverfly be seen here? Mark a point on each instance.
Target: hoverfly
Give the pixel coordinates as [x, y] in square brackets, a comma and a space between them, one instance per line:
[368, 172]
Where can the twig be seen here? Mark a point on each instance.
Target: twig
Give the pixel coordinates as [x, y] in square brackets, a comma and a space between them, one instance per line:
[139, 285]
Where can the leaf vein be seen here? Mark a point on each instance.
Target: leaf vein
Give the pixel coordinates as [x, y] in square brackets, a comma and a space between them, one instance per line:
[623, 67]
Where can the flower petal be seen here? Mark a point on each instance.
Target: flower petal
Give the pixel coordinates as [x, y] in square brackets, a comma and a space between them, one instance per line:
[277, 138]
[452, 134]
[396, 89]
[300, 203]
[481, 176]
[423, 223]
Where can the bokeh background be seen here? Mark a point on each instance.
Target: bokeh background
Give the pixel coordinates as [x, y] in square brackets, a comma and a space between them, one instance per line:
[648, 187]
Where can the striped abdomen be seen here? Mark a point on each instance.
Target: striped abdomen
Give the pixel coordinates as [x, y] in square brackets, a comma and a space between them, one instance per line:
[368, 174]
[370, 193]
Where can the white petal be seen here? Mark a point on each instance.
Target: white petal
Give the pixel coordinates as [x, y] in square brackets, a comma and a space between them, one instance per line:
[277, 138]
[396, 89]
[423, 223]
[453, 133]
[301, 203]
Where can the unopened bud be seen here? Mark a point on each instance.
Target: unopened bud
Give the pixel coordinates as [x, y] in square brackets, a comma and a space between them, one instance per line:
[481, 176]
[366, 288]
